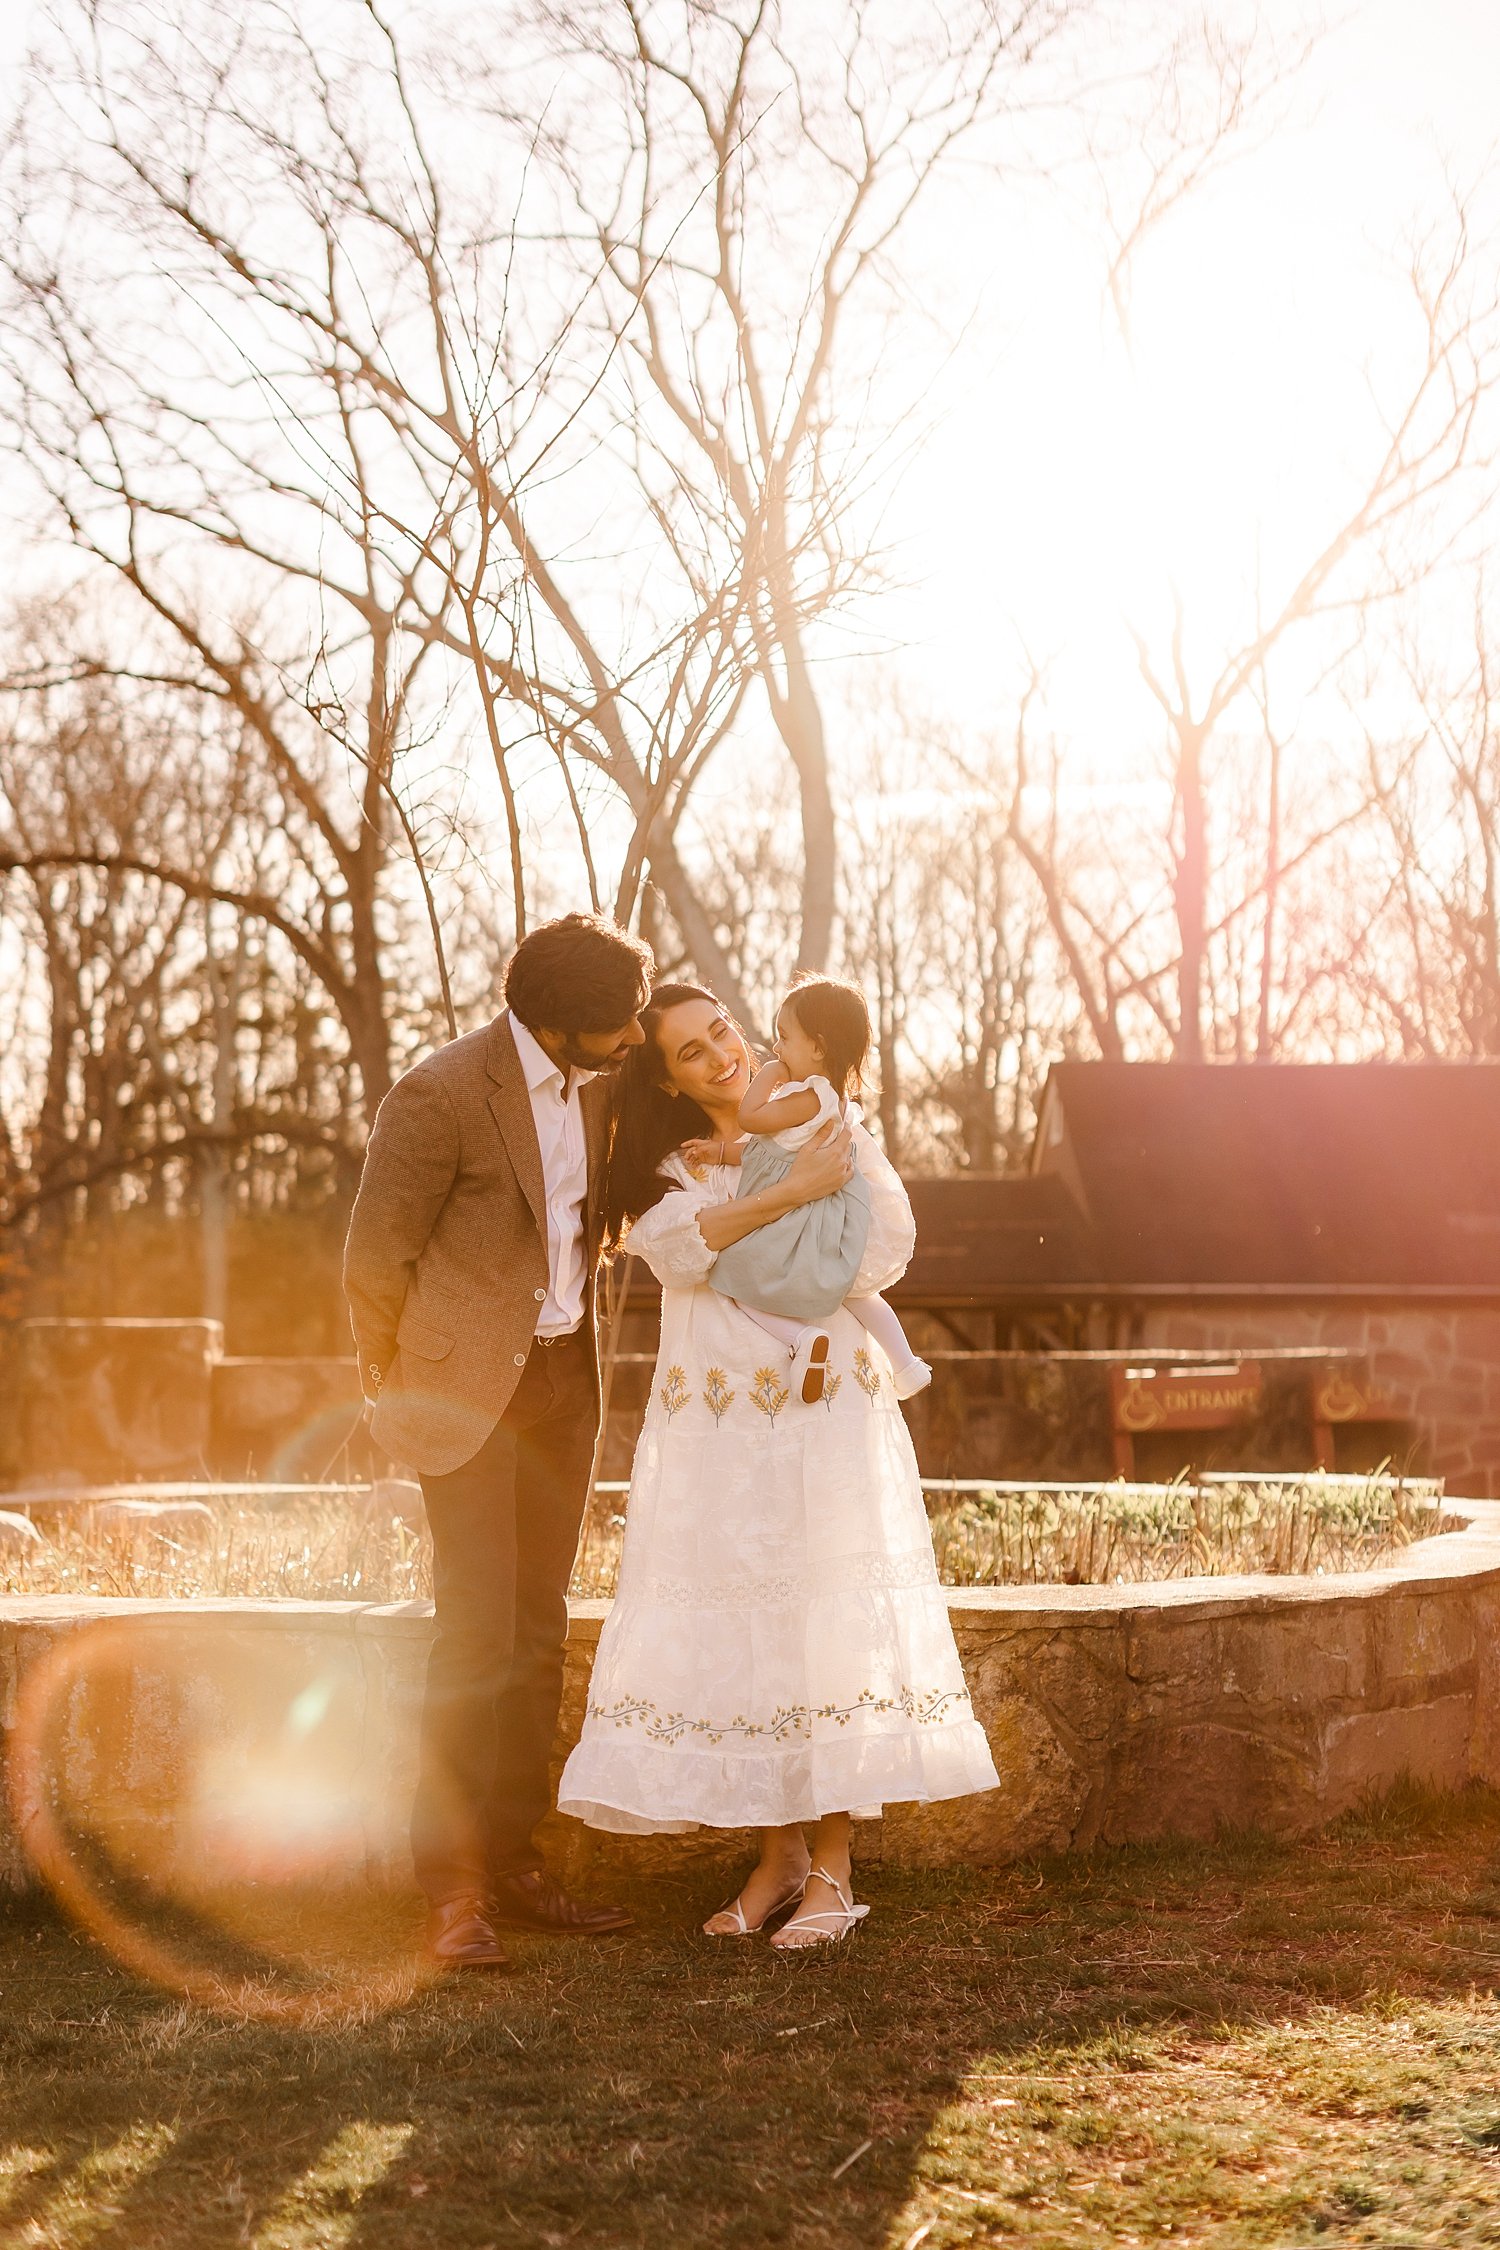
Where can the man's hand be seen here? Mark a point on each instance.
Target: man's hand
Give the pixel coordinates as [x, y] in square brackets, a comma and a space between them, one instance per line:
[824, 1166]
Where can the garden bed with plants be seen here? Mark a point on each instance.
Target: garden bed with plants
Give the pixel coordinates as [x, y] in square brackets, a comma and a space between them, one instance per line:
[360, 1545]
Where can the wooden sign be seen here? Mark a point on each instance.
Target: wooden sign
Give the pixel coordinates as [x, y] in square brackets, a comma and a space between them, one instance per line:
[1193, 1398]
[1342, 1397]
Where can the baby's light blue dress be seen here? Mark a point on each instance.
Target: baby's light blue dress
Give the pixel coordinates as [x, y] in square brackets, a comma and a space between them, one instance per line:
[803, 1264]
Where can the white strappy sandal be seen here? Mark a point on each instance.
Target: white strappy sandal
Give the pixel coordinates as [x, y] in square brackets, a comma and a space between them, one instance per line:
[845, 1915]
[735, 1907]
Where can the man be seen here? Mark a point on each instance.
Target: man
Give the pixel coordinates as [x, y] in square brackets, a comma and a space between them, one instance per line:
[469, 1271]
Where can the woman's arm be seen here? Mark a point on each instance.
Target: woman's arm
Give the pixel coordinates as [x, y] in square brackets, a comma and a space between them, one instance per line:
[763, 1110]
[821, 1168]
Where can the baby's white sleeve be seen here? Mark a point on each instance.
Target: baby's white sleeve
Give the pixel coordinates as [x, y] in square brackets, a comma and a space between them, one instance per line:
[667, 1236]
[893, 1230]
[796, 1137]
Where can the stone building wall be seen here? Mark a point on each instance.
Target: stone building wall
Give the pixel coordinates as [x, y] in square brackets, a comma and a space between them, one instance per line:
[1441, 1366]
[102, 1401]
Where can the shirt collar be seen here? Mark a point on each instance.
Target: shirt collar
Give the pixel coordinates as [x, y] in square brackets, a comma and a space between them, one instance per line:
[538, 1067]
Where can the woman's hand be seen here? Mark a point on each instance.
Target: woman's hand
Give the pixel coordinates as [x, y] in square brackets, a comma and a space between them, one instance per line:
[824, 1166]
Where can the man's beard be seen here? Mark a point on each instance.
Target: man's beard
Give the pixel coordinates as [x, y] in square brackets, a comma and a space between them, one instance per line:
[576, 1059]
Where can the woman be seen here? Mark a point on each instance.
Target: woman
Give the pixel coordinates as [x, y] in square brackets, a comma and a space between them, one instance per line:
[779, 1651]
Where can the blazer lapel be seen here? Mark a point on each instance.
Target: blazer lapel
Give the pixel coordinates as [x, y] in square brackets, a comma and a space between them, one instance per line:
[510, 1106]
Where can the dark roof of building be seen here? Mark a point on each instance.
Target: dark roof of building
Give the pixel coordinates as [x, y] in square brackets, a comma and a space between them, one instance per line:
[1178, 1178]
[972, 1226]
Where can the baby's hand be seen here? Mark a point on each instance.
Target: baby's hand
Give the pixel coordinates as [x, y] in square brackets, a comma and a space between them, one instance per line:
[701, 1156]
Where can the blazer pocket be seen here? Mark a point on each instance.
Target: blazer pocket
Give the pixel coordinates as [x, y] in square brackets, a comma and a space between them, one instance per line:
[416, 1335]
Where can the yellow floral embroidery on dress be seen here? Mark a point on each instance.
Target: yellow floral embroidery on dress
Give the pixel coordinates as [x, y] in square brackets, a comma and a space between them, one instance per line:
[670, 1727]
[717, 1396]
[831, 1386]
[769, 1393]
[866, 1374]
[674, 1391]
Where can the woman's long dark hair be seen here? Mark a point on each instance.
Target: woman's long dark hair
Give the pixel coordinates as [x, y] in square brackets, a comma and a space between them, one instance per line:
[648, 1122]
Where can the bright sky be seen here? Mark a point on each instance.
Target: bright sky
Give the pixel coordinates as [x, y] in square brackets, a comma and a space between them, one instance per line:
[1068, 483]
[1072, 484]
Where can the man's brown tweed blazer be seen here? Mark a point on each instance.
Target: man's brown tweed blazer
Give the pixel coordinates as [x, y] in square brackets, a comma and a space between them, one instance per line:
[445, 1267]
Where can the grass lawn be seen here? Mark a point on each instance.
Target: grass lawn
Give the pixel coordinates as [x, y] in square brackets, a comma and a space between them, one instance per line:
[1243, 2044]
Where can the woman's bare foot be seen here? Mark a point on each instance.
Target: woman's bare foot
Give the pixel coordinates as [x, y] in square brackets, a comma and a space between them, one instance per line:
[774, 1881]
[827, 1911]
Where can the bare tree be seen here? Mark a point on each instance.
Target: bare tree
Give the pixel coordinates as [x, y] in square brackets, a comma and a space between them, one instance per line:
[298, 422]
[1208, 97]
[1423, 488]
[745, 215]
[1431, 440]
[1432, 964]
[291, 353]
[166, 1066]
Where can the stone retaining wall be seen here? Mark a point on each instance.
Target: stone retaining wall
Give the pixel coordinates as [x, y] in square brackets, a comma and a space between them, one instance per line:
[282, 1734]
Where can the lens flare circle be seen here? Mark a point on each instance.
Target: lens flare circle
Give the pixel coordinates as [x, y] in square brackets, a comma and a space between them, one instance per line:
[150, 1776]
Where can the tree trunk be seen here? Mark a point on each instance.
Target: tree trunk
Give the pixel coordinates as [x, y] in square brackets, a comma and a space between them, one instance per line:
[697, 932]
[1268, 926]
[799, 721]
[1189, 893]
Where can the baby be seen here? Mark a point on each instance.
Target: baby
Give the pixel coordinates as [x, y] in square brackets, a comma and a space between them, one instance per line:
[791, 1276]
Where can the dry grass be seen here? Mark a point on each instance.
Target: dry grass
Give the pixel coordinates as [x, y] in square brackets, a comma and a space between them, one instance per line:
[1096, 1535]
[314, 1550]
[317, 1549]
[1243, 2046]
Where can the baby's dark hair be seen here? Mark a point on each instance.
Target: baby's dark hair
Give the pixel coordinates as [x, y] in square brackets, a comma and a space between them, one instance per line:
[834, 1013]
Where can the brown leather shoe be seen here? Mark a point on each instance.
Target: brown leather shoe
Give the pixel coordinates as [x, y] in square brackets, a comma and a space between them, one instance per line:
[537, 1901]
[460, 1935]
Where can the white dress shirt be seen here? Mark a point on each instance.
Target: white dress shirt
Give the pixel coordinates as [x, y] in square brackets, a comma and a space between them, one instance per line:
[558, 1116]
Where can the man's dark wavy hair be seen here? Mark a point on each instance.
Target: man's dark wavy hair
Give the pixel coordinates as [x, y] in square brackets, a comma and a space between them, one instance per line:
[579, 973]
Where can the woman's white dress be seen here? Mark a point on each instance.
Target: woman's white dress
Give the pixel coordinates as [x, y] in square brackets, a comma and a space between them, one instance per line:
[779, 1644]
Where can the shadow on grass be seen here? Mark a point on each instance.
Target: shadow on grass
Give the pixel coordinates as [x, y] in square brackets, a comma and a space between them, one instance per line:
[658, 2090]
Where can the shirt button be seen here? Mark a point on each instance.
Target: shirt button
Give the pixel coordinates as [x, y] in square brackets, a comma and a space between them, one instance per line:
[520, 1359]
[540, 1296]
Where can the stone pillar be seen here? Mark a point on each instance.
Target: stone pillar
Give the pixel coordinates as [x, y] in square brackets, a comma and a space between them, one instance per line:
[112, 1401]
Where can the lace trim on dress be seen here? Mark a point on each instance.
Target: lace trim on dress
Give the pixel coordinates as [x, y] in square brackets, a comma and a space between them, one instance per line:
[670, 1727]
[875, 1572]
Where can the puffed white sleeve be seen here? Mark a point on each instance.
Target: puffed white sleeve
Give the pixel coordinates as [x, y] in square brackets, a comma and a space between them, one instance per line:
[893, 1230]
[667, 1236]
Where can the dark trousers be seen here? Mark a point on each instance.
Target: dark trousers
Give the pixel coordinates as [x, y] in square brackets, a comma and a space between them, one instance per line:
[504, 1533]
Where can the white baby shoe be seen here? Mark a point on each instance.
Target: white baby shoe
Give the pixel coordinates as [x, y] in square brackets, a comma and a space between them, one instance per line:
[810, 1365]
